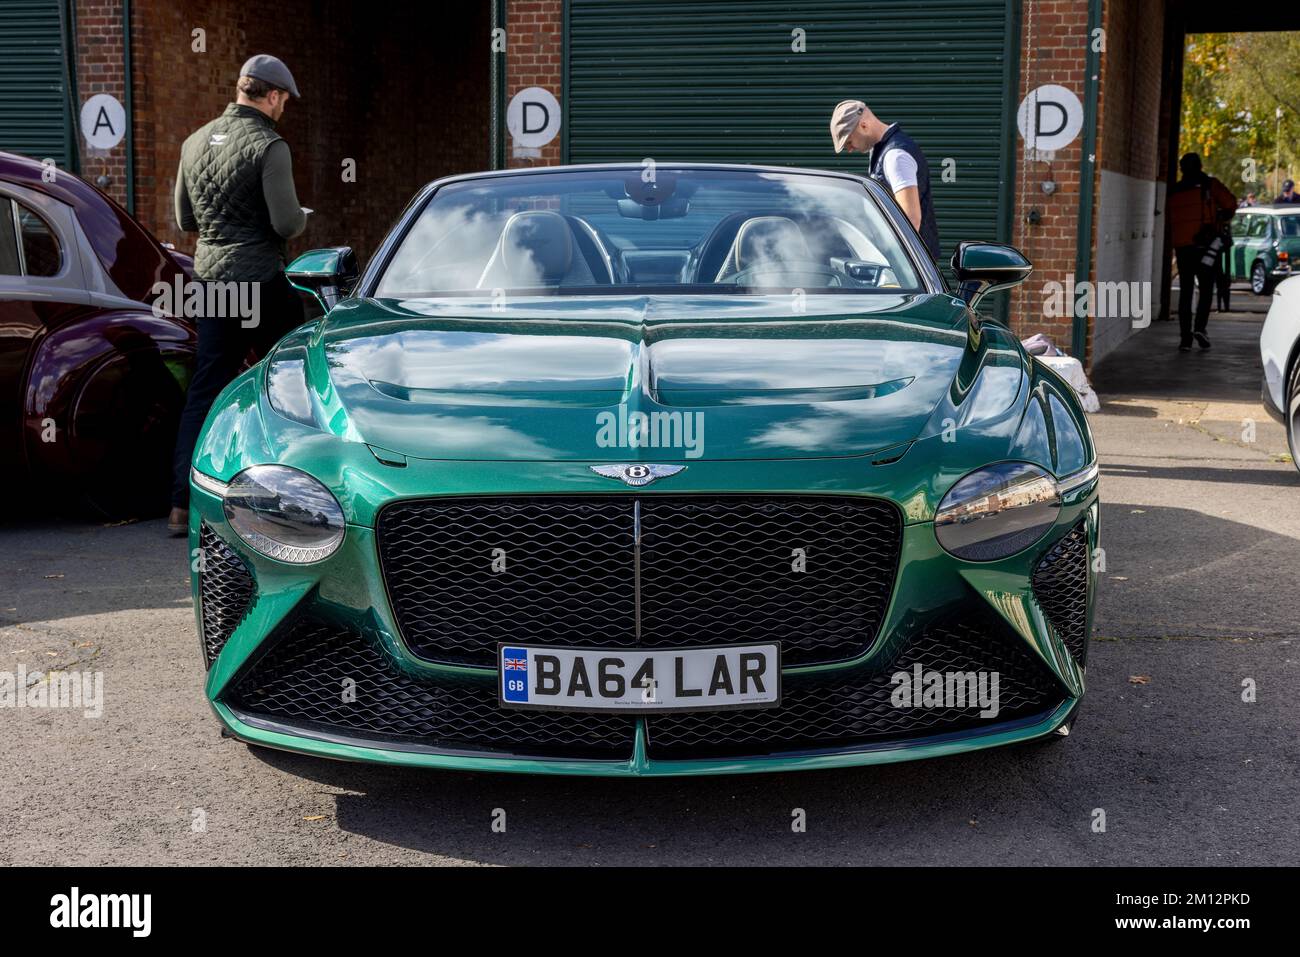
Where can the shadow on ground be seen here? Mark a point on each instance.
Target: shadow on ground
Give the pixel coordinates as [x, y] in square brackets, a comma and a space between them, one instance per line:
[1149, 364]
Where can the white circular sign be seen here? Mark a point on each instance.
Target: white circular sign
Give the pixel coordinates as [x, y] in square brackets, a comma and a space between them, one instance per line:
[533, 117]
[103, 121]
[1050, 117]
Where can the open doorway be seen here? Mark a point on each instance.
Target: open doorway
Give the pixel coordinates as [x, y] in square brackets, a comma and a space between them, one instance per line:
[1240, 114]
[1232, 96]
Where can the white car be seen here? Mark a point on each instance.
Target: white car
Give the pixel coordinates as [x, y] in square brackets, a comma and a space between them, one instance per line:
[1279, 348]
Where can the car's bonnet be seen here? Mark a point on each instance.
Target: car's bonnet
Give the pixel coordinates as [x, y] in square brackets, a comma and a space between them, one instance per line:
[616, 379]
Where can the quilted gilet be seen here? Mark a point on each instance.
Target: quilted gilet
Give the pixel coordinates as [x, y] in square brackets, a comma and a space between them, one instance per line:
[222, 166]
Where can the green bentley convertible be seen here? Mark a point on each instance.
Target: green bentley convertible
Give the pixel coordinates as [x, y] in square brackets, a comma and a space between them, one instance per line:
[633, 470]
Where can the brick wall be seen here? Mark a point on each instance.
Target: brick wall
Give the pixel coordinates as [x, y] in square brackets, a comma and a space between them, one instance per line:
[408, 112]
[411, 108]
[1131, 85]
[1054, 45]
[101, 69]
[534, 57]
[1129, 235]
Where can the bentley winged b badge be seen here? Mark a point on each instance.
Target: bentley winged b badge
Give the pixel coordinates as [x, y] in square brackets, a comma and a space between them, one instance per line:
[638, 474]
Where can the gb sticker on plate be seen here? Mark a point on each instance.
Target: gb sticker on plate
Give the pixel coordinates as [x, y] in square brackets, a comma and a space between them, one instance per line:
[514, 675]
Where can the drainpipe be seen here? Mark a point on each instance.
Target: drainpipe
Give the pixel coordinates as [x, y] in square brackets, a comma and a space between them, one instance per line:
[1087, 175]
[130, 112]
[71, 132]
[497, 92]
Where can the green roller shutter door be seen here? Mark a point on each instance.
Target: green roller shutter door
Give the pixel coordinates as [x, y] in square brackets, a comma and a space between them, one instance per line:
[677, 80]
[34, 99]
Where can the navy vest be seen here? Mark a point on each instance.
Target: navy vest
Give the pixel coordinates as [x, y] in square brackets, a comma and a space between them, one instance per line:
[896, 139]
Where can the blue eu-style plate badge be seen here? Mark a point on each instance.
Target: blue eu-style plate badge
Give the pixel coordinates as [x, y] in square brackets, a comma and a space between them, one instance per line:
[514, 675]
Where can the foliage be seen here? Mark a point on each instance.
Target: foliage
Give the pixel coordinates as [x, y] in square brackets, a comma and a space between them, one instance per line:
[1233, 84]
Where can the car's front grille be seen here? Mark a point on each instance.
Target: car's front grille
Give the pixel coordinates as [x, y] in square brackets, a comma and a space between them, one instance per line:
[327, 677]
[225, 591]
[465, 574]
[1060, 583]
[847, 709]
[814, 573]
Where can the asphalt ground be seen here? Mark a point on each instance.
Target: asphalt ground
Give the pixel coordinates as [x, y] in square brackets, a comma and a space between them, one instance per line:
[1201, 533]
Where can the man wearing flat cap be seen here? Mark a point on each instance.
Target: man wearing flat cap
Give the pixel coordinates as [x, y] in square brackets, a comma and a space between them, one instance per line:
[235, 189]
[897, 163]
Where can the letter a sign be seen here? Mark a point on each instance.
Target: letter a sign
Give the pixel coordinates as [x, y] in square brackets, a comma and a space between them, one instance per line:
[1049, 118]
[103, 121]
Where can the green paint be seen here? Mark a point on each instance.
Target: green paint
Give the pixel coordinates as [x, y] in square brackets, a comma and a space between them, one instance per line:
[533, 432]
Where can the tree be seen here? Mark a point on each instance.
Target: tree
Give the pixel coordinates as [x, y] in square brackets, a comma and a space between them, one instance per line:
[1233, 84]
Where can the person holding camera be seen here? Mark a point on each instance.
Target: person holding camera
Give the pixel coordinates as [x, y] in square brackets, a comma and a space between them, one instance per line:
[1200, 208]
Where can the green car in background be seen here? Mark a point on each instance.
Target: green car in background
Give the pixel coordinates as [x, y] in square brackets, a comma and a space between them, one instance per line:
[630, 470]
[1265, 241]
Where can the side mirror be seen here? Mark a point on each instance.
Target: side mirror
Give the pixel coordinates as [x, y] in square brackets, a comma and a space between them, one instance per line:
[982, 268]
[327, 274]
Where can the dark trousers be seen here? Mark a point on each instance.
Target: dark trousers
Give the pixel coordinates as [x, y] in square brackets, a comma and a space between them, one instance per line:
[1191, 274]
[224, 346]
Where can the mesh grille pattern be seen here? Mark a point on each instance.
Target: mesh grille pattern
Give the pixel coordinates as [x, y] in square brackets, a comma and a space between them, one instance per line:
[225, 591]
[567, 578]
[1060, 584]
[845, 710]
[301, 679]
[713, 570]
[721, 570]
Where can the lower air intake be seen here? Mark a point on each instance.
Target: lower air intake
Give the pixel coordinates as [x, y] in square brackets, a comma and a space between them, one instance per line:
[301, 680]
[225, 592]
[853, 709]
[1060, 584]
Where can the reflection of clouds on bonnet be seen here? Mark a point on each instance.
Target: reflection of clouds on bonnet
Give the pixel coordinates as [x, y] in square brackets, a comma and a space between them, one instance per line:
[798, 363]
[422, 359]
[469, 437]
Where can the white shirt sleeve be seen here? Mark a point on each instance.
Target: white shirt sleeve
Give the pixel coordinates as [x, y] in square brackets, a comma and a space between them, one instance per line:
[900, 170]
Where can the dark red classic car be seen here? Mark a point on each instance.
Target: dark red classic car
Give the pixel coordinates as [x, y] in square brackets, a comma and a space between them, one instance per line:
[91, 380]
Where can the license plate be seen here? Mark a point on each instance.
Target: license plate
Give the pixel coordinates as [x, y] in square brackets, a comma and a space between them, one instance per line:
[722, 678]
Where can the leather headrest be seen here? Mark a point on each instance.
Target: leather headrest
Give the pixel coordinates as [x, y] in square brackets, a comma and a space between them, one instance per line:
[537, 245]
[772, 240]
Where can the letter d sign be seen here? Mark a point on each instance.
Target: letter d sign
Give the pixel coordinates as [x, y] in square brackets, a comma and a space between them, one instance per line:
[1049, 118]
[533, 119]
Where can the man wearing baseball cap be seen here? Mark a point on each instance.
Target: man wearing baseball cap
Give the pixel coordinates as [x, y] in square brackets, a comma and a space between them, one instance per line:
[897, 163]
[235, 189]
[1288, 194]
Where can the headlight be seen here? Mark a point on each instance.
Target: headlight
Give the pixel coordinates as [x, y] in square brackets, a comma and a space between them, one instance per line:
[284, 514]
[997, 511]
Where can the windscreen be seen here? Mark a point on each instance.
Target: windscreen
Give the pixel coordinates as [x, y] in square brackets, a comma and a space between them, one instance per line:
[658, 230]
